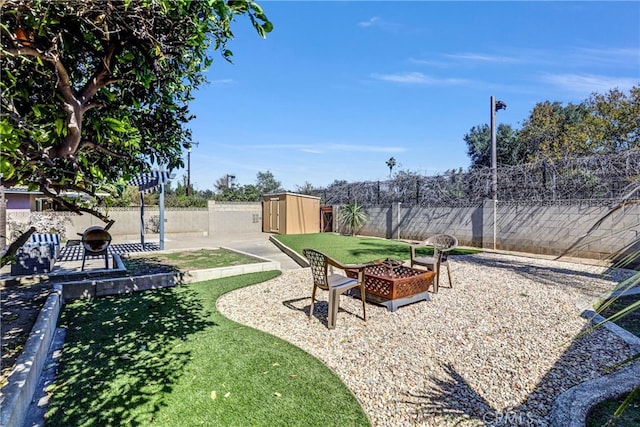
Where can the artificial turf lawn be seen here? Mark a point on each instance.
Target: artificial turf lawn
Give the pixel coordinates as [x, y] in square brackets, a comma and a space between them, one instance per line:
[192, 259]
[355, 249]
[602, 414]
[631, 320]
[168, 357]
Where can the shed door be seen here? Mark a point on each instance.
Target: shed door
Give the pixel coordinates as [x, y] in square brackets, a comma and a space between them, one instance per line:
[326, 219]
[274, 215]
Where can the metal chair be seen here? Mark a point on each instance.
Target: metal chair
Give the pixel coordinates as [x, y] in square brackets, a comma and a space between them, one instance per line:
[441, 244]
[324, 278]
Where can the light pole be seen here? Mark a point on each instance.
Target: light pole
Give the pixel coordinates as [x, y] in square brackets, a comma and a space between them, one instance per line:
[495, 106]
[228, 179]
[189, 166]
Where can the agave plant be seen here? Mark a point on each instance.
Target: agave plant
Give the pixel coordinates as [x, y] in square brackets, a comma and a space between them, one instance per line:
[352, 217]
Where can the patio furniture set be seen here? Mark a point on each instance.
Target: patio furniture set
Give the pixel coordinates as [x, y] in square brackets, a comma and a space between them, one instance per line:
[389, 283]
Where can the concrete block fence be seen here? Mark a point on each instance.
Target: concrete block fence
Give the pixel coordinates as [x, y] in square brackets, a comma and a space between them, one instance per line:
[548, 228]
[217, 217]
[538, 228]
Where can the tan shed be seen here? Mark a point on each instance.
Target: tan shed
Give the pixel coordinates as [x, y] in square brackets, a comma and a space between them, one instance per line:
[290, 213]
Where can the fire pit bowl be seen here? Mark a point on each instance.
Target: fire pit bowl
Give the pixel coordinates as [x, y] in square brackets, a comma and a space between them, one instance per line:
[96, 241]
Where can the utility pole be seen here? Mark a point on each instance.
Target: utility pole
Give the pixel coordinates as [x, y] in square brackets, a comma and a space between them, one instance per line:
[189, 166]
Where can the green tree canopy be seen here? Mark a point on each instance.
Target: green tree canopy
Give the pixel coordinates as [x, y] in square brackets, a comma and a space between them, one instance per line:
[556, 132]
[225, 183]
[602, 124]
[614, 123]
[306, 188]
[266, 183]
[96, 91]
[509, 149]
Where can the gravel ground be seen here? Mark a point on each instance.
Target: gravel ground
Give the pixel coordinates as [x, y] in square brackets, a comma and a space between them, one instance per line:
[495, 349]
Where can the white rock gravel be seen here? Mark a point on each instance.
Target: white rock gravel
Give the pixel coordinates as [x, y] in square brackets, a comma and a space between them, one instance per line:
[496, 349]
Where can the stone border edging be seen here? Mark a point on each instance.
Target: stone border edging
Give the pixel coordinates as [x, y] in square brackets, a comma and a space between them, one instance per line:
[571, 408]
[23, 380]
[287, 250]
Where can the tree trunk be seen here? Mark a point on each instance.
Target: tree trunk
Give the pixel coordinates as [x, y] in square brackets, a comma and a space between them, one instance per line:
[10, 253]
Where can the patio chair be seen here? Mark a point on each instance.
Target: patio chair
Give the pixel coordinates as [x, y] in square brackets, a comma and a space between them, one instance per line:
[442, 244]
[325, 279]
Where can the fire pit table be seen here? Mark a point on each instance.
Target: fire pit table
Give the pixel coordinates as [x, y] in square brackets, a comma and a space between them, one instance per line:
[393, 285]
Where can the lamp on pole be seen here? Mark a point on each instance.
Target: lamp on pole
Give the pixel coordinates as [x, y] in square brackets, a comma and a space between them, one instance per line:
[189, 166]
[228, 179]
[495, 106]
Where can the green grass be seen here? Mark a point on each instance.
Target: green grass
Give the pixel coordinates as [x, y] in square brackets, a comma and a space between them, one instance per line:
[168, 357]
[192, 259]
[348, 249]
[631, 320]
[602, 414]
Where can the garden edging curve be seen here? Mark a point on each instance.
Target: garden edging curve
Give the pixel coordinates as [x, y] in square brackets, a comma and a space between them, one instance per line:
[572, 407]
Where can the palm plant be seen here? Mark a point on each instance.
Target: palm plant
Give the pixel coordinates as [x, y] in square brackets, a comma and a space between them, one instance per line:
[352, 217]
[391, 164]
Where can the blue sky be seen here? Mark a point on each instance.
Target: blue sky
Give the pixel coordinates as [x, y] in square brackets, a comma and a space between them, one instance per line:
[340, 87]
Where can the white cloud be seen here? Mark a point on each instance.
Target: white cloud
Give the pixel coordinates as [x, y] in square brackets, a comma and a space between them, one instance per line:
[222, 82]
[480, 57]
[327, 147]
[387, 26]
[624, 57]
[427, 62]
[371, 22]
[419, 78]
[365, 148]
[588, 83]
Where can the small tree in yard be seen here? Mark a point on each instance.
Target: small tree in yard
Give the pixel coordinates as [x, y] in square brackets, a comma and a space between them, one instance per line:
[93, 92]
[97, 91]
[352, 216]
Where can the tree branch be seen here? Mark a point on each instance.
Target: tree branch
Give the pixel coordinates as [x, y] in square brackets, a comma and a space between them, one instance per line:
[101, 149]
[72, 207]
[101, 77]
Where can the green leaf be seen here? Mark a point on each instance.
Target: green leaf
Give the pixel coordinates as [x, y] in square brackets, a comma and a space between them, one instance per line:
[6, 168]
[59, 123]
[10, 143]
[36, 111]
[256, 8]
[267, 26]
[114, 124]
[259, 29]
[238, 6]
